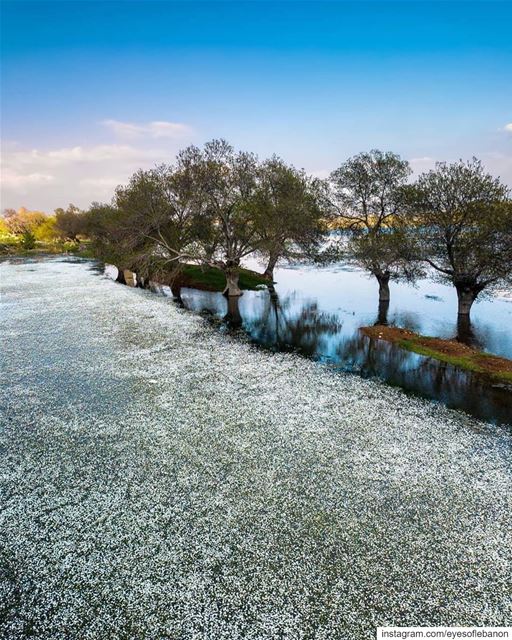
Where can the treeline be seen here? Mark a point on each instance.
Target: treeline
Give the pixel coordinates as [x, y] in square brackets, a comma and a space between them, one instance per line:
[28, 230]
[216, 205]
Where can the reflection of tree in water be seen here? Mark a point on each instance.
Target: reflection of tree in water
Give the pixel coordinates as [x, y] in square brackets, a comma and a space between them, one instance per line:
[289, 323]
[425, 376]
[407, 320]
[233, 318]
[466, 333]
[283, 327]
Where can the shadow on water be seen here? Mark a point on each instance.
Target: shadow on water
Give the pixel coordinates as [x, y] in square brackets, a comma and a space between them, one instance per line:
[290, 323]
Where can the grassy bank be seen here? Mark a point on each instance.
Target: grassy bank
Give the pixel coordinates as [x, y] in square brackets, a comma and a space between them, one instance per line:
[449, 351]
[211, 279]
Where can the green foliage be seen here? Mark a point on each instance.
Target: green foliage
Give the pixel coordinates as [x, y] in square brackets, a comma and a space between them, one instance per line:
[464, 229]
[69, 246]
[70, 223]
[368, 190]
[47, 231]
[389, 252]
[368, 197]
[287, 212]
[28, 240]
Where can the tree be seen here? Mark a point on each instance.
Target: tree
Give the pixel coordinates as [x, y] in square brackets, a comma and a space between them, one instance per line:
[103, 225]
[368, 198]
[389, 254]
[28, 240]
[70, 222]
[465, 233]
[224, 187]
[21, 221]
[47, 230]
[159, 218]
[287, 213]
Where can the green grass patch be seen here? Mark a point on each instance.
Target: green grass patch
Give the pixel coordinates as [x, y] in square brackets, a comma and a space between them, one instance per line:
[212, 279]
[450, 352]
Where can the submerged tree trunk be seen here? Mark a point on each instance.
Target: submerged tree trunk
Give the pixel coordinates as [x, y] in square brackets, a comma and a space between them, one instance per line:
[142, 281]
[383, 280]
[233, 316]
[466, 295]
[274, 302]
[271, 265]
[382, 316]
[232, 276]
[176, 292]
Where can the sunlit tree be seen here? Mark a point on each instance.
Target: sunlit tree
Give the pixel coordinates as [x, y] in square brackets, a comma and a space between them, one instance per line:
[287, 213]
[465, 230]
[368, 201]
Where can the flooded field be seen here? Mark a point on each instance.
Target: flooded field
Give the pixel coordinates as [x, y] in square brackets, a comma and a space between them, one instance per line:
[163, 480]
[317, 312]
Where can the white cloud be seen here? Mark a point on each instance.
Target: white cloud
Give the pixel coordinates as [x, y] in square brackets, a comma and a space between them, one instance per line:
[45, 179]
[499, 164]
[419, 165]
[155, 129]
[508, 127]
[90, 155]
[12, 178]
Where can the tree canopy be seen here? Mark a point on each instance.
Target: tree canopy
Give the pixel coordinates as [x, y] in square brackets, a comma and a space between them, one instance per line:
[464, 227]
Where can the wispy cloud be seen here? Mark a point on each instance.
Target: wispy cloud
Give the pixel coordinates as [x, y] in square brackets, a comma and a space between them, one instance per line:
[419, 165]
[49, 178]
[508, 127]
[11, 178]
[155, 129]
[87, 155]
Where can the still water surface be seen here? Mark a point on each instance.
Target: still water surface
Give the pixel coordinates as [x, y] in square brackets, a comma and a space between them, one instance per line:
[318, 311]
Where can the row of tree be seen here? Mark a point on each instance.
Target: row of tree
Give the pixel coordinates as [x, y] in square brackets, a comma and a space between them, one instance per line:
[215, 206]
[454, 223]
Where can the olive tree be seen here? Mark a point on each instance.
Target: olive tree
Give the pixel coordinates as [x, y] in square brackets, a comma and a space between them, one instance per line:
[104, 227]
[287, 213]
[70, 222]
[159, 219]
[388, 255]
[224, 187]
[368, 198]
[465, 228]
[199, 210]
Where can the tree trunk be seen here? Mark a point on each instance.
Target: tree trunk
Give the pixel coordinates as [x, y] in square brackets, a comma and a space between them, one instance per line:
[176, 292]
[383, 280]
[232, 289]
[269, 271]
[120, 276]
[130, 278]
[233, 316]
[464, 331]
[141, 282]
[466, 296]
[382, 317]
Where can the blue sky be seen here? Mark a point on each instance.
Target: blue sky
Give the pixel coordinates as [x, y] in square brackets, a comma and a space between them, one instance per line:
[93, 90]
